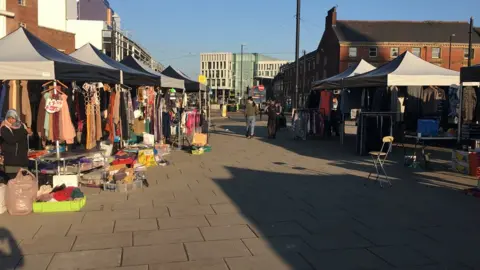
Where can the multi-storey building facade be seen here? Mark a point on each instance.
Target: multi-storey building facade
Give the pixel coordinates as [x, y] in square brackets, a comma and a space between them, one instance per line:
[33, 16]
[345, 43]
[306, 78]
[235, 72]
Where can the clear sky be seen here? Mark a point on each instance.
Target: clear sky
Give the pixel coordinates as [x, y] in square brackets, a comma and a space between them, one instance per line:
[175, 32]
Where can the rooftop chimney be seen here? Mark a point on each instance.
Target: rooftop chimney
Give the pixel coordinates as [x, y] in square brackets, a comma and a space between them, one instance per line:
[331, 18]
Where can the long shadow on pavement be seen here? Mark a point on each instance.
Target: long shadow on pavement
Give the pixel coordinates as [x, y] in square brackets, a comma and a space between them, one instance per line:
[326, 221]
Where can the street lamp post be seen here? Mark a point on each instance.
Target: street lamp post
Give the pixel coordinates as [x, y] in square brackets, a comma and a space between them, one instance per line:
[241, 72]
[450, 52]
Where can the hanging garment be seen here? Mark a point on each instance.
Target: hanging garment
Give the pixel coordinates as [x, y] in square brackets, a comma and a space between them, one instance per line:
[4, 90]
[46, 124]
[429, 101]
[116, 108]
[123, 116]
[110, 127]
[469, 103]
[326, 103]
[26, 110]
[91, 142]
[67, 131]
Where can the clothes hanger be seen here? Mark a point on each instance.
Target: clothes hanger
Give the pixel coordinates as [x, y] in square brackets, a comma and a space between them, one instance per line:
[52, 88]
[50, 82]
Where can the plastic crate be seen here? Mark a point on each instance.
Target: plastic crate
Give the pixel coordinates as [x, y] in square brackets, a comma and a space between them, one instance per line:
[56, 207]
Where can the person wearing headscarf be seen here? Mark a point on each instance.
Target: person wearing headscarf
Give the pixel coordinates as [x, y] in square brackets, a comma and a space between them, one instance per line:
[272, 120]
[14, 136]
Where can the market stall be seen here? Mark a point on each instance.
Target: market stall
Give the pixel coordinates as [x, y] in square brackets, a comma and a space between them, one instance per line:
[422, 95]
[325, 89]
[76, 124]
[199, 113]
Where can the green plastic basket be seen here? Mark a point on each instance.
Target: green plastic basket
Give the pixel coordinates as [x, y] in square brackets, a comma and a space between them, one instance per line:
[56, 207]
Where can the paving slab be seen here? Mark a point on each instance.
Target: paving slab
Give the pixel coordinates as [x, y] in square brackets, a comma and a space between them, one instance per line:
[103, 241]
[134, 225]
[55, 229]
[139, 267]
[34, 262]
[167, 236]
[47, 245]
[91, 227]
[401, 256]
[227, 232]
[348, 259]
[280, 229]
[227, 219]
[288, 262]
[112, 215]
[149, 212]
[195, 265]
[338, 239]
[225, 208]
[153, 254]
[216, 250]
[183, 222]
[190, 210]
[275, 245]
[91, 259]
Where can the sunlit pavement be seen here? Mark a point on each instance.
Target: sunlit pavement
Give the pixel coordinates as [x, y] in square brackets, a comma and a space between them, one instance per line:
[260, 204]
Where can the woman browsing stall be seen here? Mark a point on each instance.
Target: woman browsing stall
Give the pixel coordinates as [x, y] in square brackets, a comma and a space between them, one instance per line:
[14, 136]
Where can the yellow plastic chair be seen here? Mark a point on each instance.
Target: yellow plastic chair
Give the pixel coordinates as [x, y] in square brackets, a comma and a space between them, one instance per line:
[379, 159]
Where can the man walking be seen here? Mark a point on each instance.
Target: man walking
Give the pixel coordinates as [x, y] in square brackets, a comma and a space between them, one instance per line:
[251, 111]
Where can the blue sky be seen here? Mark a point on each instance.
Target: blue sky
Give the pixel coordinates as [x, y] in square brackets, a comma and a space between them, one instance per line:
[177, 31]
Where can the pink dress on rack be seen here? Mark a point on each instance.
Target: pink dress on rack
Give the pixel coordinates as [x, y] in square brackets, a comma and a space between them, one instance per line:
[67, 131]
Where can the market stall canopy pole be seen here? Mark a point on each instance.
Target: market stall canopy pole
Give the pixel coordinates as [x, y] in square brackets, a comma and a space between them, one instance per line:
[90, 54]
[164, 80]
[23, 56]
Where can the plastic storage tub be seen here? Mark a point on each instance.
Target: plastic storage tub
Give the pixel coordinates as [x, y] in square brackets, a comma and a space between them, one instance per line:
[56, 207]
[428, 127]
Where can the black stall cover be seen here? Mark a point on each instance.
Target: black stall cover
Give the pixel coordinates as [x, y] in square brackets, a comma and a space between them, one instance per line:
[190, 85]
[23, 56]
[470, 74]
[90, 54]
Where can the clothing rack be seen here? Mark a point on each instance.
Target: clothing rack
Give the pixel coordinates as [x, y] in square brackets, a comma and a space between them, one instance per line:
[364, 115]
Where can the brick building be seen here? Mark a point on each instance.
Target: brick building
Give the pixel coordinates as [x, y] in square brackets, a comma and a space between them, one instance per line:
[24, 13]
[345, 43]
[287, 75]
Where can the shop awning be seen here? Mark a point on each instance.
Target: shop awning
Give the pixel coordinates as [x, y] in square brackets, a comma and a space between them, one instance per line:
[190, 85]
[335, 82]
[405, 70]
[470, 74]
[89, 54]
[23, 56]
[165, 81]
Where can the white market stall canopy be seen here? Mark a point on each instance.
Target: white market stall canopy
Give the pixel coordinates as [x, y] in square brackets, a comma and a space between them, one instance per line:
[89, 54]
[23, 56]
[405, 70]
[470, 74]
[190, 85]
[335, 82]
[165, 81]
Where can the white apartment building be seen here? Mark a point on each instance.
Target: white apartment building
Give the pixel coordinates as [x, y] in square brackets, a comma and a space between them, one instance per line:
[268, 69]
[224, 71]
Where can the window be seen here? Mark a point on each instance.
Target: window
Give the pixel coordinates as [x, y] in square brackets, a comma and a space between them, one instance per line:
[218, 82]
[417, 51]
[372, 52]
[209, 65]
[223, 82]
[352, 52]
[465, 53]
[394, 52]
[22, 2]
[436, 53]
[217, 74]
[203, 65]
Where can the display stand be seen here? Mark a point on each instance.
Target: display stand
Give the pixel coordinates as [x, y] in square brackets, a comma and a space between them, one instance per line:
[364, 115]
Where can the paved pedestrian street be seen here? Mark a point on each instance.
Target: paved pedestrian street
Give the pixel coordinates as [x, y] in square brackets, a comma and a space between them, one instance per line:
[259, 204]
